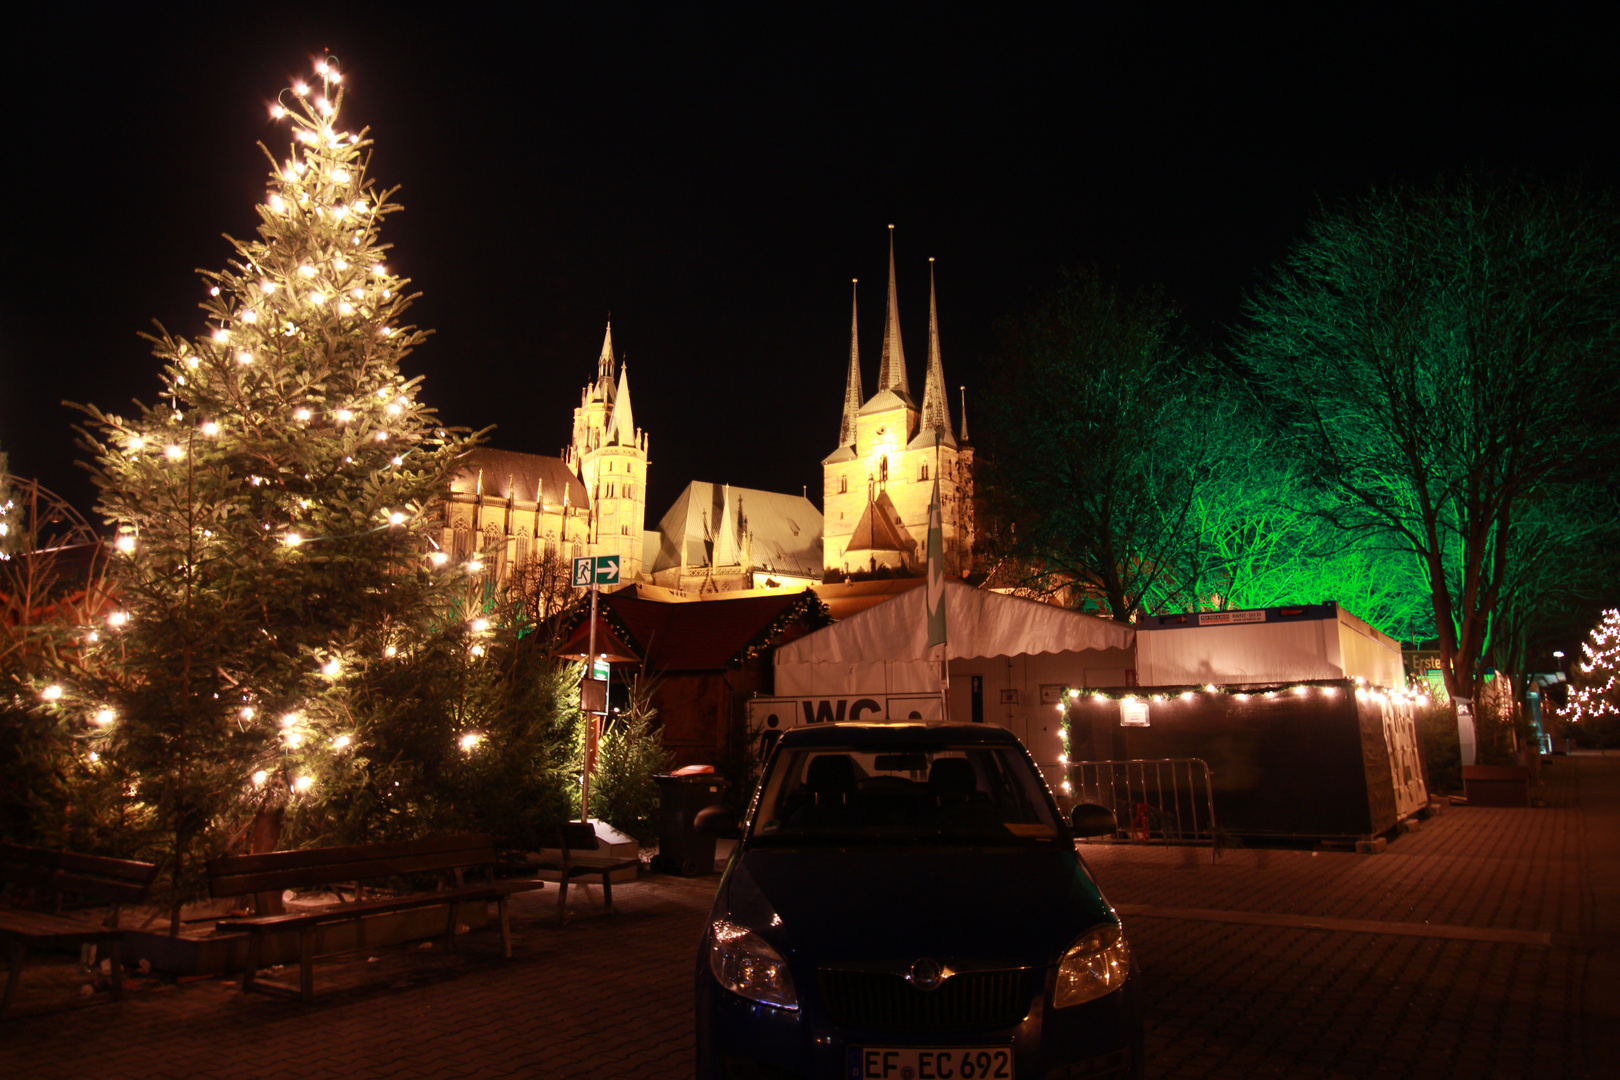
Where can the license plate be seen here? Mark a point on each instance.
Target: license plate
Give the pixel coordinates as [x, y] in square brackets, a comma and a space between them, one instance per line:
[930, 1063]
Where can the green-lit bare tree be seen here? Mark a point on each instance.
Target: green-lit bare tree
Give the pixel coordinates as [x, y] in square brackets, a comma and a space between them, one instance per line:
[1441, 361]
[1097, 447]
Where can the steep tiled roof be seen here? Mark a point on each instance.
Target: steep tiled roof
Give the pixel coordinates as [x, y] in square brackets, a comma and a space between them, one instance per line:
[787, 529]
[879, 529]
[508, 473]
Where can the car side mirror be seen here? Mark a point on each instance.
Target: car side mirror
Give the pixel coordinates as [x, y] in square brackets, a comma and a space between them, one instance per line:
[717, 821]
[1089, 819]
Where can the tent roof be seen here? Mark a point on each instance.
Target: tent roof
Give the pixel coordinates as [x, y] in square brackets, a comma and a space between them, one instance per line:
[706, 636]
[979, 623]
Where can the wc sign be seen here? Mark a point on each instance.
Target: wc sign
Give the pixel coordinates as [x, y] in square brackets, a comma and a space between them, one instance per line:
[780, 713]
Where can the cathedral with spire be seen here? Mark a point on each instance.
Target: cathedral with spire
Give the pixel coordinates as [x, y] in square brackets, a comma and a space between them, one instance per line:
[879, 482]
[506, 508]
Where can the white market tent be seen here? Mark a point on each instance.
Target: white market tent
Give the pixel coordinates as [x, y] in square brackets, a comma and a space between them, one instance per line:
[883, 649]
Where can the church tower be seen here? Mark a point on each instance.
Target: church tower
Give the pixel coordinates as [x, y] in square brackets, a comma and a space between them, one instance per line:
[609, 454]
[879, 482]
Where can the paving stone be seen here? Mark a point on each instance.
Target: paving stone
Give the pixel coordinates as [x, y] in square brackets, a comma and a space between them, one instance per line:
[612, 996]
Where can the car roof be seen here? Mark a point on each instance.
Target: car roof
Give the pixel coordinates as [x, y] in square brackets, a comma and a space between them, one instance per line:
[889, 734]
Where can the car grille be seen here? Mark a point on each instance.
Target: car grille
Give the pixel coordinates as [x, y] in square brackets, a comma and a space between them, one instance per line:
[880, 1001]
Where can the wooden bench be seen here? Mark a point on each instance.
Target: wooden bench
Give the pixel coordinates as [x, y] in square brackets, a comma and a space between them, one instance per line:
[58, 873]
[577, 857]
[268, 875]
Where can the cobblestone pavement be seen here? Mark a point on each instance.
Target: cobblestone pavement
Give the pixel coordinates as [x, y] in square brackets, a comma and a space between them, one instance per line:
[1483, 945]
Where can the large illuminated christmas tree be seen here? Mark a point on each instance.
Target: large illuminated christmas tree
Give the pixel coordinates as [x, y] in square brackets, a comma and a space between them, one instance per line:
[1594, 696]
[274, 558]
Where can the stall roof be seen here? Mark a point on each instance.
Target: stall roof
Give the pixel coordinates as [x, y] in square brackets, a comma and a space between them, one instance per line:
[978, 623]
[706, 636]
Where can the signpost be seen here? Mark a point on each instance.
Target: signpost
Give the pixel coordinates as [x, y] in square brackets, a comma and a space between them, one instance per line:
[592, 571]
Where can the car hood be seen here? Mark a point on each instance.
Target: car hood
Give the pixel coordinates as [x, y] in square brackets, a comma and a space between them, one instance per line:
[1022, 906]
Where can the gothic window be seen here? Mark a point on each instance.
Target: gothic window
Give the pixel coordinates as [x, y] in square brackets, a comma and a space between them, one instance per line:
[883, 470]
[922, 472]
[624, 530]
[522, 550]
[578, 550]
[459, 544]
[551, 545]
[843, 484]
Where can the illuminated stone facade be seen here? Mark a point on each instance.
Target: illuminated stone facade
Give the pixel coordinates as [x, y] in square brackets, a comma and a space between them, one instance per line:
[880, 480]
[509, 507]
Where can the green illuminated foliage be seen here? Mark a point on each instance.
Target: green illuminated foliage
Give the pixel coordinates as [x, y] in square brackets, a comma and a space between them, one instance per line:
[1439, 363]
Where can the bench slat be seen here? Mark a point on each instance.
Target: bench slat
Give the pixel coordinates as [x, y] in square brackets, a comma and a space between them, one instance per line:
[298, 919]
[39, 925]
[274, 860]
[92, 876]
[328, 873]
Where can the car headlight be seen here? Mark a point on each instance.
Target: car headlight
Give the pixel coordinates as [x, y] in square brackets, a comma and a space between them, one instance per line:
[1095, 965]
[744, 963]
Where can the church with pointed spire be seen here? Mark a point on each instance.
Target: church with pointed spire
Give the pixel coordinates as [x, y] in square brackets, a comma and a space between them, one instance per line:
[879, 482]
[505, 508]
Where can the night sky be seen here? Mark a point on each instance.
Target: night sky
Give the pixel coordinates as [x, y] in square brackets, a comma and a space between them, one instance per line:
[716, 180]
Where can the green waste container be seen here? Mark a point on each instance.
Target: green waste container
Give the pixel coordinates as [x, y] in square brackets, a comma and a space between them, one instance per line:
[681, 850]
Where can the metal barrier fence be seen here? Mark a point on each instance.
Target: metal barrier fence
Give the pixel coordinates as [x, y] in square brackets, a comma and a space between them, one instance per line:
[1155, 801]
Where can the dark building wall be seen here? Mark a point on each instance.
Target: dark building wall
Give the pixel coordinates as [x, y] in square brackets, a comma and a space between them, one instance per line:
[1304, 765]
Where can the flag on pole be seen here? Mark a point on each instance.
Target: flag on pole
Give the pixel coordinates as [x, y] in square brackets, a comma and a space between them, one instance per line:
[936, 573]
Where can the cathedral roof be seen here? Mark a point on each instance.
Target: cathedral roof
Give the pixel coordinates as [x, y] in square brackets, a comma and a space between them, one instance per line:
[892, 369]
[853, 393]
[887, 400]
[502, 474]
[622, 424]
[934, 423]
[880, 530]
[786, 530]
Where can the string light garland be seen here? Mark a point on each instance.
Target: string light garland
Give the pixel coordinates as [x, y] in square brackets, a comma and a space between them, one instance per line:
[1076, 703]
[270, 509]
[1595, 692]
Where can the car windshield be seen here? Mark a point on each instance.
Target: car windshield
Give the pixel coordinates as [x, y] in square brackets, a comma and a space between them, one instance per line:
[967, 794]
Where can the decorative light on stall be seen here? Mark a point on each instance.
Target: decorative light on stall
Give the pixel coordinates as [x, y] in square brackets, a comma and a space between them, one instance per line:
[104, 717]
[52, 692]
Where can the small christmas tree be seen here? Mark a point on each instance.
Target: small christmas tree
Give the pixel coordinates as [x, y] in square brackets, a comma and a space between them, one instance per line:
[1594, 696]
[273, 547]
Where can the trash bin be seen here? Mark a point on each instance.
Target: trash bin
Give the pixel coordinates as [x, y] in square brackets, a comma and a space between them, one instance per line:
[681, 850]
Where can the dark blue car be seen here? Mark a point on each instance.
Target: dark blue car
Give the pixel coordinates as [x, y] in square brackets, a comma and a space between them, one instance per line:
[906, 903]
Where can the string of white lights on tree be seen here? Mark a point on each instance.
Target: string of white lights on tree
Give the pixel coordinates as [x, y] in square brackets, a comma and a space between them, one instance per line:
[270, 510]
[1596, 690]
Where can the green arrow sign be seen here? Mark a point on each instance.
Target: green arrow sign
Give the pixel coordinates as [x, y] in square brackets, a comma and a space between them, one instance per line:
[596, 570]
